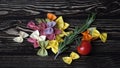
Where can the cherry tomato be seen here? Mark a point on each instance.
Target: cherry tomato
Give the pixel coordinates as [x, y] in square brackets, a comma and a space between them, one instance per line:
[84, 48]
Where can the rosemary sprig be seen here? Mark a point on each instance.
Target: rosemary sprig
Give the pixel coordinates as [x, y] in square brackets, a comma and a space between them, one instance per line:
[69, 39]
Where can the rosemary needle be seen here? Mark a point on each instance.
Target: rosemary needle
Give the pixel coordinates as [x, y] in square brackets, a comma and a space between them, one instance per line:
[69, 39]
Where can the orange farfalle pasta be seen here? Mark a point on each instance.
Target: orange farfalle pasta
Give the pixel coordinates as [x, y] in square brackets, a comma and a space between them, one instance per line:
[96, 34]
[86, 36]
[51, 16]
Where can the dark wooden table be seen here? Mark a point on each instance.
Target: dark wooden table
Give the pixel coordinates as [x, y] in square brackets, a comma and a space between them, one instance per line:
[23, 55]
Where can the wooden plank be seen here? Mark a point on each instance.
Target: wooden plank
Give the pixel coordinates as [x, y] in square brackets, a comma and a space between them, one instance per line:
[103, 55]
[76, 8]
[37, 62]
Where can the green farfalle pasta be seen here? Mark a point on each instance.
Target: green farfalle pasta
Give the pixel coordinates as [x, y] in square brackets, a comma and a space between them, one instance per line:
[42, 51]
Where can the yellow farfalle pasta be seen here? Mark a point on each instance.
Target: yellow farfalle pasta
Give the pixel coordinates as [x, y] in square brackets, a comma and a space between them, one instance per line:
[96, 34]
[73, 56]
[59, 39]
[103, 37]
[61, 24]
[53, 44]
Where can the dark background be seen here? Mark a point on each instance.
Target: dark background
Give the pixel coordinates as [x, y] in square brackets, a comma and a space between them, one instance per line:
[75, 12]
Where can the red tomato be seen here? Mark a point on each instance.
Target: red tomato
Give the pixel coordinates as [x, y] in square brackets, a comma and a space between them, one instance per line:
[84, 48]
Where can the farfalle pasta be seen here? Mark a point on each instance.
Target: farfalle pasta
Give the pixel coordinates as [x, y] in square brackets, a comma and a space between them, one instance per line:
[50, 33]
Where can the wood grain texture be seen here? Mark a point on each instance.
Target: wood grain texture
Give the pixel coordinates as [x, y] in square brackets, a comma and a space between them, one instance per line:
[38, 62]
[26, 8]
[22, 55]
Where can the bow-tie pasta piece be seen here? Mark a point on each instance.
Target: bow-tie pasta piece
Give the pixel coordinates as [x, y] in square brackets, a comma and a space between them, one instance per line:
[73, 56]
[96, 34]
[61, 24]
[42, 51]
[103, 37]
[18, 39]
[51, 16]
[37, 36]
[53, 45]
[21, 36]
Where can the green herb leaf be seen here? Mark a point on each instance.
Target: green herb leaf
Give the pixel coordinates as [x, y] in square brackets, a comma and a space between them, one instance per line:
[69, 39]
